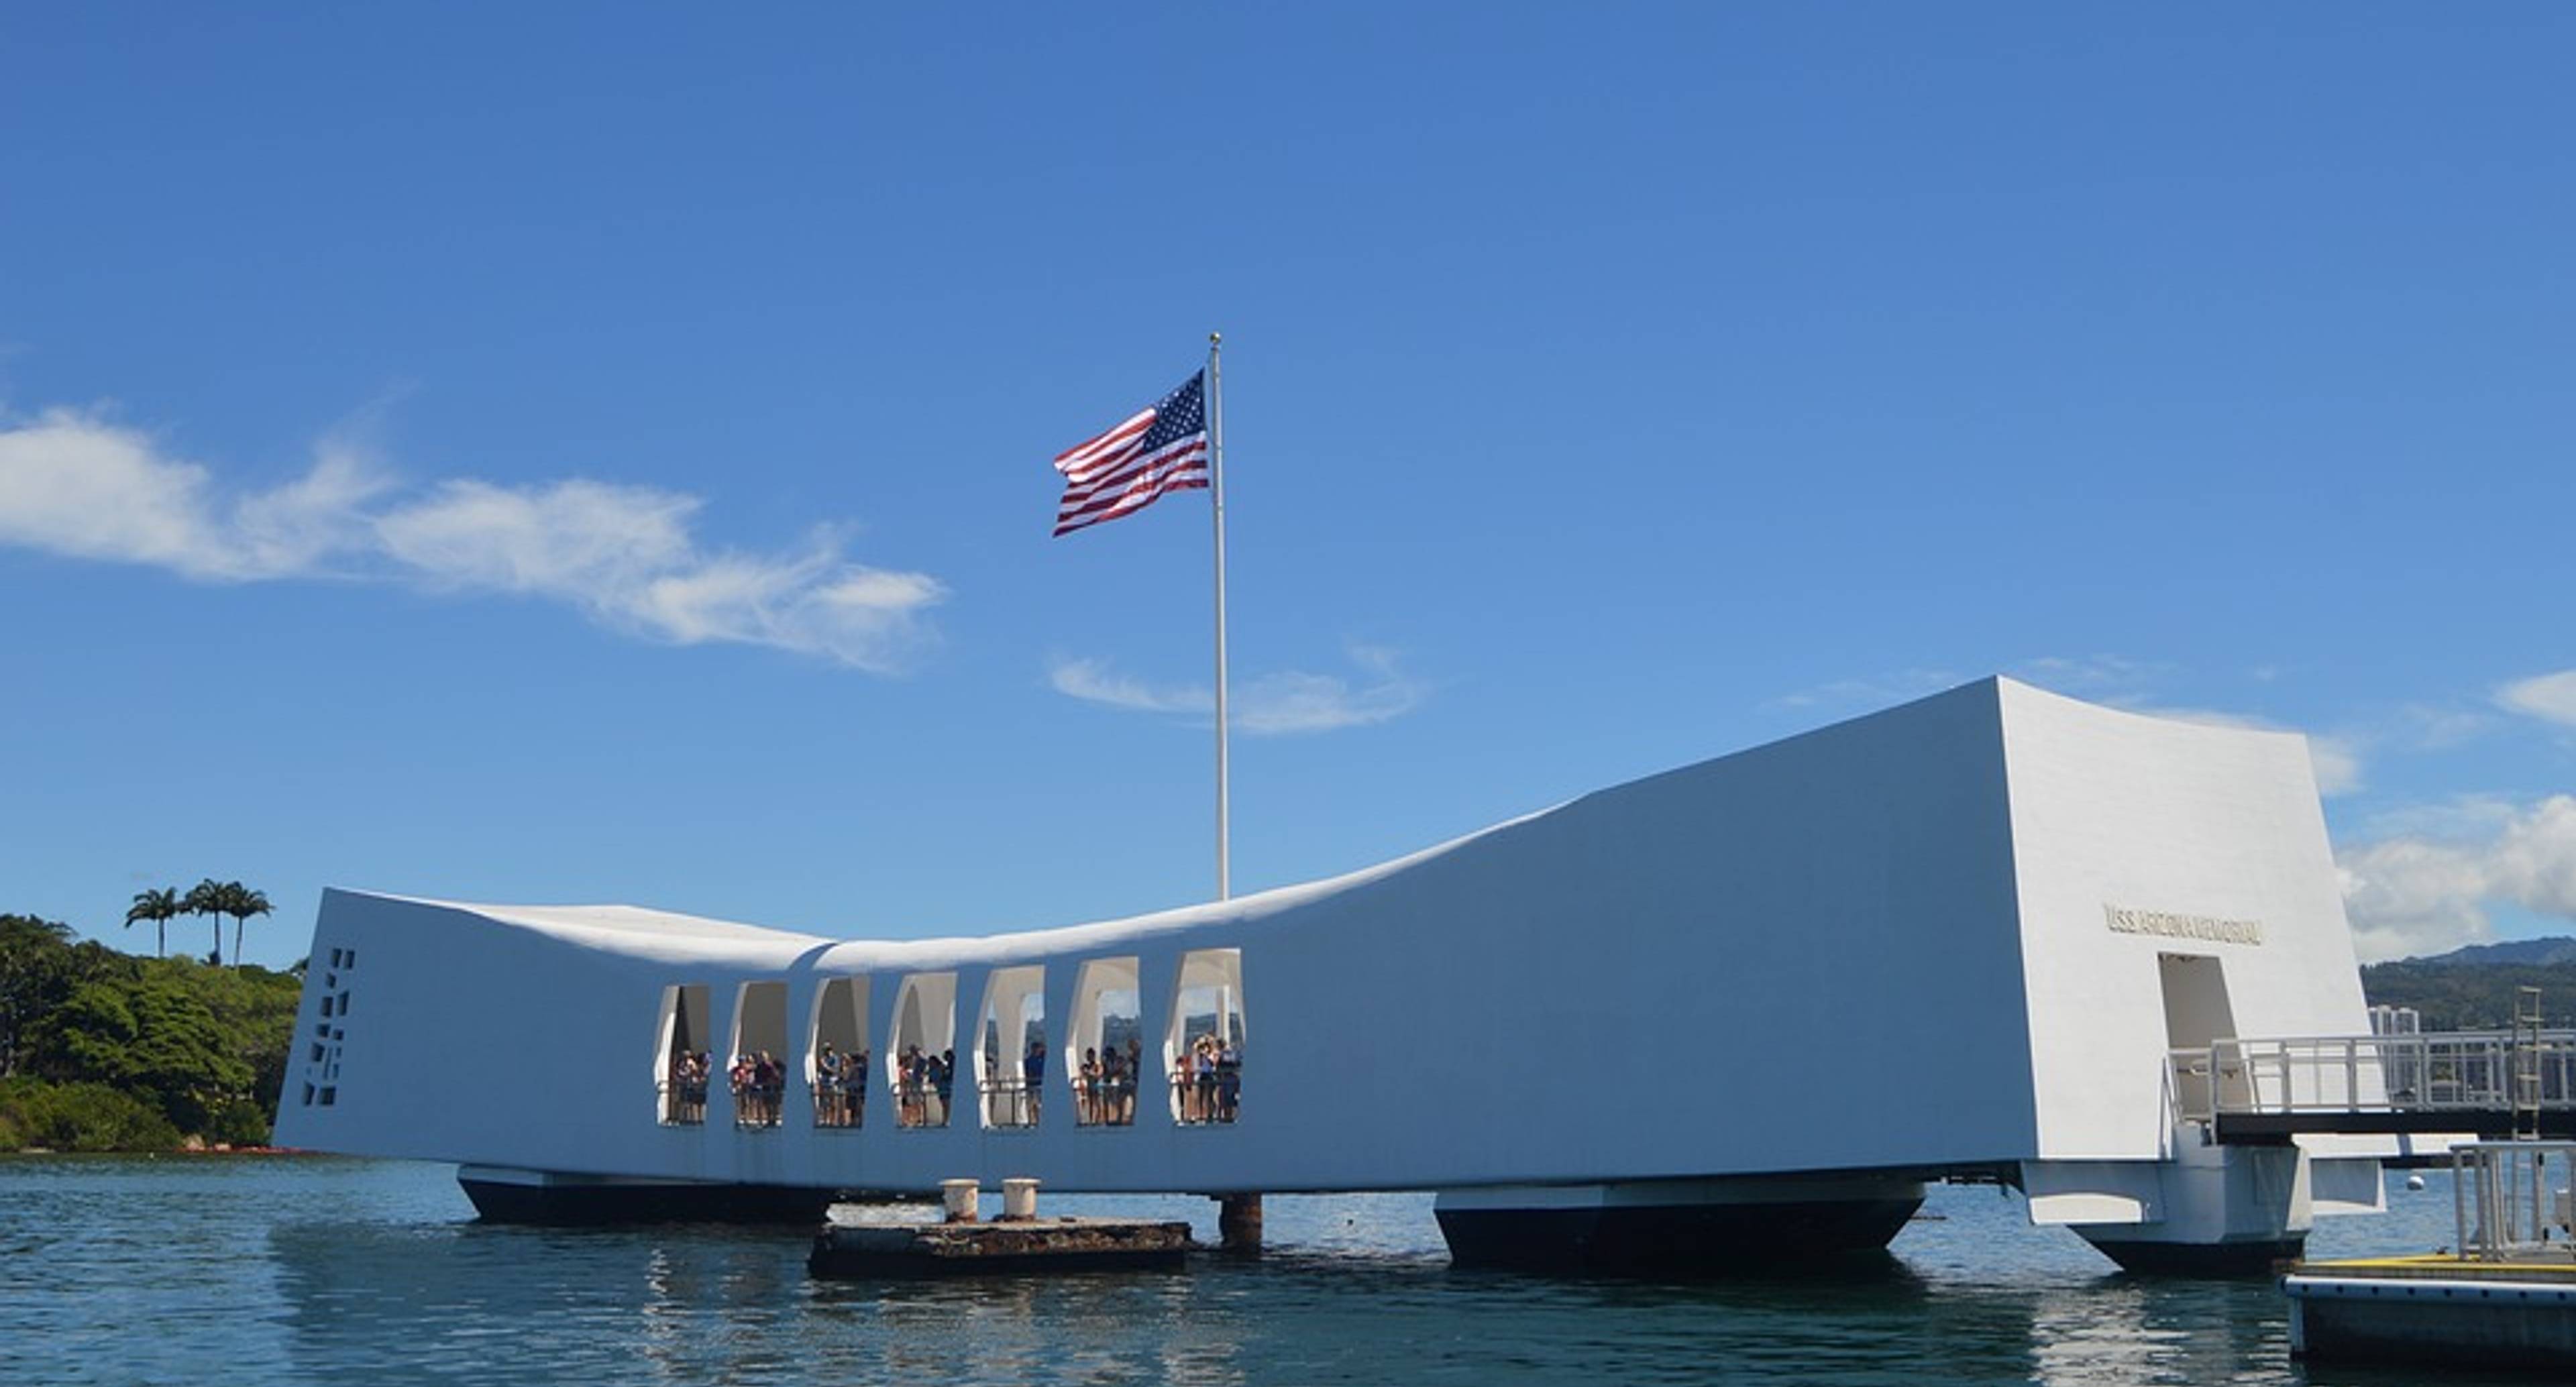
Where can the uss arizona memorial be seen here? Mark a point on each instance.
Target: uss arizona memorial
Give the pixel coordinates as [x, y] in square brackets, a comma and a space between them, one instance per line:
[1755, 1001]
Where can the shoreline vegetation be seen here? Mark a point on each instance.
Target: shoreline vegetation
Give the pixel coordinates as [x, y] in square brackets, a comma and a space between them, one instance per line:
[102, 1050]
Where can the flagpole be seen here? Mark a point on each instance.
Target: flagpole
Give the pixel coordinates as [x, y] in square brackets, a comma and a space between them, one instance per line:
[1216, 493]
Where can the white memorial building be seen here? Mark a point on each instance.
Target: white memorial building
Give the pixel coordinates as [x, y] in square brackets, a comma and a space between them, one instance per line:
[1740, 1009]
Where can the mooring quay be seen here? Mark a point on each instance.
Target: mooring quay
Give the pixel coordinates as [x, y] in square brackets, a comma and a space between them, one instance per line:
[1746, 1007]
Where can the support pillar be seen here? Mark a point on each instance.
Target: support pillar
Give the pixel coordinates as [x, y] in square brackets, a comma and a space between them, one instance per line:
[1238, 1223]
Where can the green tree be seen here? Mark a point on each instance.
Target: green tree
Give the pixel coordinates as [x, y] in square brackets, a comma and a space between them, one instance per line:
[241, 902]
[151, 1035]
[157, 907]
[207, 898]
[101, 1050]
[34, 978]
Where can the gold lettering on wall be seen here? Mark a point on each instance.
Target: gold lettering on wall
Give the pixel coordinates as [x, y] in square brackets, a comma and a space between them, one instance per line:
[2124, 920]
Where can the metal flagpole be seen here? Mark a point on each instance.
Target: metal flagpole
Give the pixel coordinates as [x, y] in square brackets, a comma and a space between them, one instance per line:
[1216, 493]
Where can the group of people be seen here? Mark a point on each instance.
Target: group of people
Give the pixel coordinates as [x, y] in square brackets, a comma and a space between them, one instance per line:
[1104, 1088]
[840, 1086]
[684, 1088]
[759, 1081]
[922, 1087]
[1209, 1079]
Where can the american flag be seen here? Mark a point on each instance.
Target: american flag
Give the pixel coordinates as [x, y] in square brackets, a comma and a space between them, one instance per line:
[1161, 449]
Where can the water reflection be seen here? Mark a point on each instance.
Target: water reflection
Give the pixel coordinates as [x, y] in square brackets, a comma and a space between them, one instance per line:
[470, 1303]
[1980, 1299]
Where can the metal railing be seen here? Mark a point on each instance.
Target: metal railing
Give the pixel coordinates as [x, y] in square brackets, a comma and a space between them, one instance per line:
[1009, 1103]
[2431, 1072]
[921, 1103]
[756, 1105]
[839, 1104]
[1107, 1101]
[1209, 1098]
[2505, 1206]
[682, 1104]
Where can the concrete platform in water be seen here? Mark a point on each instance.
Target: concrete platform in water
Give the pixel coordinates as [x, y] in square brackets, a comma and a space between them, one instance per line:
[2438, 1308]
[952, 1249]
[2506, 1298]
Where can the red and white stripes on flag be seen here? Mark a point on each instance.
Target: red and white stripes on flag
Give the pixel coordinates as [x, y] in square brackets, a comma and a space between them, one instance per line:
[1155, 450]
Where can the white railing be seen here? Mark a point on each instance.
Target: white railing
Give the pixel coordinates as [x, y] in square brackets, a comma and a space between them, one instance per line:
[2506, 1203]
[2458, 1071]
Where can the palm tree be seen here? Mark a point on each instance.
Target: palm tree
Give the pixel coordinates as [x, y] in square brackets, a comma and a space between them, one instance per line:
[241, 902]
[207, 898]
[157, 907]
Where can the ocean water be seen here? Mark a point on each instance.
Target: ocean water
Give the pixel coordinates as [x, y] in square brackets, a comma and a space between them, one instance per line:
[220, 1269]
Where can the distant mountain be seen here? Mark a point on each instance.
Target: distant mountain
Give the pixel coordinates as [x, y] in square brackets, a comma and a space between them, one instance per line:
[2560, 949]
[2480, 987]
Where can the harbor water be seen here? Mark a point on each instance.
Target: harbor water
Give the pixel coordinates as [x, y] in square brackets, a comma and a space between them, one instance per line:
[219, 1269]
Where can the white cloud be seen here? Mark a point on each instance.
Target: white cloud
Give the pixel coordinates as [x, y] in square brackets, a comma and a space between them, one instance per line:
[2549, 696]
[1093, 681]
[2336, 758]
[79, 485]
[1268, 705]
[73, 484]
[2422, 894]
[2094, 674]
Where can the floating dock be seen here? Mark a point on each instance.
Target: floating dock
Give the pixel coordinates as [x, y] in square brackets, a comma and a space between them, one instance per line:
[2438, 1308]
[1019, 1241]
[972, 1249]
[2505, 1299]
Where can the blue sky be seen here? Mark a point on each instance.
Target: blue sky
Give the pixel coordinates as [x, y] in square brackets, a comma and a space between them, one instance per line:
[583, 454]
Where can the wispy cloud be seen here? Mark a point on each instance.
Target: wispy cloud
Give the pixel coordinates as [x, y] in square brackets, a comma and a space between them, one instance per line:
[2547, 696]
[78, 484]
[2336, 757]
[2091, 674]
[1266, 705]
[2424, 893]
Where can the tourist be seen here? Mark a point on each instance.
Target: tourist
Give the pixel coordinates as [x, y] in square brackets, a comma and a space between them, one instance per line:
[1206, 1051]
[827, 1086]
[1229, 1080]
[1032, 1080]
[1131, 1073]
[1086, 1089]
[908, 1087]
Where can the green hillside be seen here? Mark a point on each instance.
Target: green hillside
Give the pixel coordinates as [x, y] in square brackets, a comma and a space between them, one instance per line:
[2456, 996]
[101, 1050]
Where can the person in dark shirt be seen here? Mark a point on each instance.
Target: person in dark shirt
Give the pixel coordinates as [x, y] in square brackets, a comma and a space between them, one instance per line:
[1032, 1078]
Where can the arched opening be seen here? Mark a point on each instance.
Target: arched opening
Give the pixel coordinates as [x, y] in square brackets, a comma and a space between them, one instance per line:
[836, 1060]
[680, 1057]
[1105, 1047]
[921, 1055]
[1010, 1046]
[1203, 1051]
[759, 1073]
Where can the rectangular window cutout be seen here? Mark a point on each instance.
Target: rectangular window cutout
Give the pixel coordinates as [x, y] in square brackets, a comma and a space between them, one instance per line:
[921, 1054]
[758, 1076]
[836, 1054]
[681, 1062]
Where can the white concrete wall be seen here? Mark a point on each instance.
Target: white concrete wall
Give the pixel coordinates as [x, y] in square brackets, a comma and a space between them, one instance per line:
[1808, 956]
[2116, 810]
